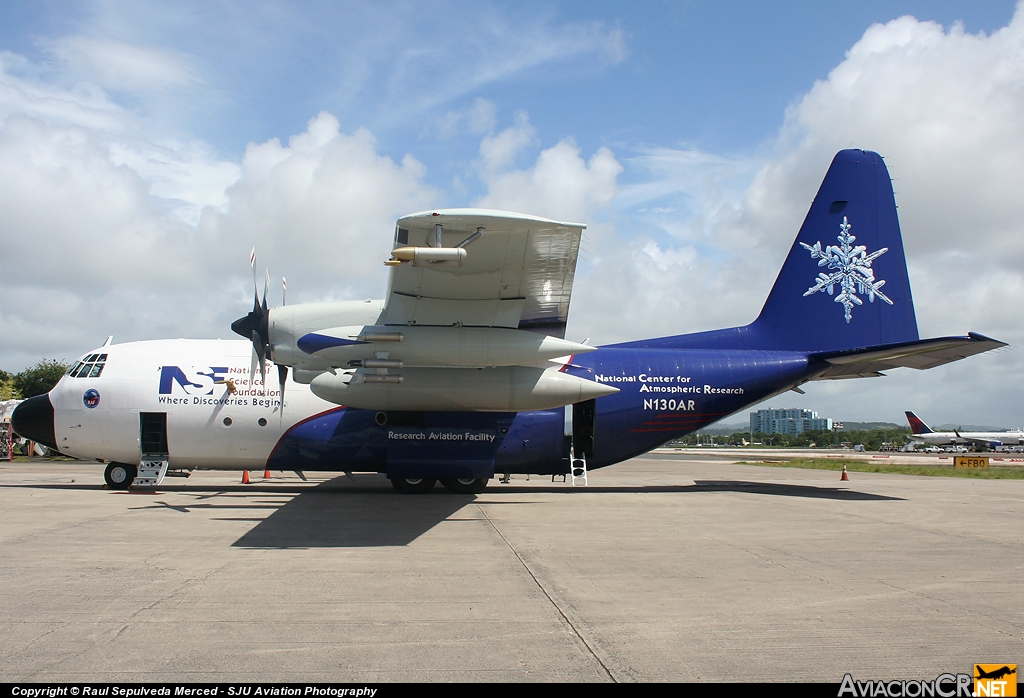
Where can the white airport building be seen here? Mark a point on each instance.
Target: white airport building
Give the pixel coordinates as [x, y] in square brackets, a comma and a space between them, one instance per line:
[787, 421]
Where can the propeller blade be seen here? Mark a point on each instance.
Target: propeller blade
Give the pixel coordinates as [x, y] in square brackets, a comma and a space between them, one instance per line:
[282, 378]
[261, 352]
[252, 364]
[284, 291]
[252, 263]
[255, 326]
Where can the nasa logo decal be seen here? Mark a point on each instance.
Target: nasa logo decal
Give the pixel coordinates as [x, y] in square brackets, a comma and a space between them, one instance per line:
[91, 398]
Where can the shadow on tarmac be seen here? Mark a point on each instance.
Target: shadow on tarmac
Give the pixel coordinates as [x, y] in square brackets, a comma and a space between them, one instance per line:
[318, 518]
[367, 512]
[341, 514]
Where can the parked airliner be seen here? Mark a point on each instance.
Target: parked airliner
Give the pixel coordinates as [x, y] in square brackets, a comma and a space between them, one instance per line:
[988, 439]
[463, 371]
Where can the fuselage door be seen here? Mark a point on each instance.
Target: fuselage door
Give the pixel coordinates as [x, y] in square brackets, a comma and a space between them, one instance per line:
[583, 422]
[153, 433]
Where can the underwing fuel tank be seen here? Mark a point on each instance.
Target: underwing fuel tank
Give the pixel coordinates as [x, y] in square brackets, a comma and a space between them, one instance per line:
[440, 347]
[501, 389]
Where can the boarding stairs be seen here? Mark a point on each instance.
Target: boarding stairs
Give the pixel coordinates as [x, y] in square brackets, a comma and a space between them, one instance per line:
[578, 471]
[152, 471]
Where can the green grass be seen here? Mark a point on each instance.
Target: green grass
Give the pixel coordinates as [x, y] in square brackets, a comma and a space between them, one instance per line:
[998, 472]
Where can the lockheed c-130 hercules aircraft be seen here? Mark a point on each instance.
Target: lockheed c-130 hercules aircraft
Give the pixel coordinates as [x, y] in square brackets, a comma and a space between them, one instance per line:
[463, 371]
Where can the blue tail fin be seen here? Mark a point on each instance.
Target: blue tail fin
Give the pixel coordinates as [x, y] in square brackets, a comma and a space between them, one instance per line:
[844, 284]
[917, 425]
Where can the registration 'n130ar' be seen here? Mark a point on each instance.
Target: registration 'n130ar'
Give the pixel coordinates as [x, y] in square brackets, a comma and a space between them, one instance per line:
[663, 405]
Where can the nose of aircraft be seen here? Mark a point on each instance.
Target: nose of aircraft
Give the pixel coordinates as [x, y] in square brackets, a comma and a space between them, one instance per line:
[33, 419]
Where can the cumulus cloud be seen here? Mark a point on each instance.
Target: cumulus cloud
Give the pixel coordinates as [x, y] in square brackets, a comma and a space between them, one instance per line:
[560, 184]
[324, 204]
[499, 151]
[112, 231]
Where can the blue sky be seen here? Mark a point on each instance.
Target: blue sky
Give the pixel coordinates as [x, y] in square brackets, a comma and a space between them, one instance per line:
[160, 141]
[717, 75]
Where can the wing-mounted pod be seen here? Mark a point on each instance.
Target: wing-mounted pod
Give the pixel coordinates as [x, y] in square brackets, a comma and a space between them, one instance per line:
[435, 254]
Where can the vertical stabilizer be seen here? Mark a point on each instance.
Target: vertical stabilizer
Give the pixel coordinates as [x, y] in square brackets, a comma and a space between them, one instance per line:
[844, 284]
[917, 426]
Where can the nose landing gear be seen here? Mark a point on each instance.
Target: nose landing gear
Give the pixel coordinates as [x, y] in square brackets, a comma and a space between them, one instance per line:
[119, 476]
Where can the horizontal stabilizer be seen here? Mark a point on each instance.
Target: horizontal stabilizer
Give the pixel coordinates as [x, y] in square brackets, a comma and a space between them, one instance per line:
[922, 354]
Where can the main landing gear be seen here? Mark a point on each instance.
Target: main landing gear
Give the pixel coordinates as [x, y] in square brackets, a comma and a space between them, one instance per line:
[411, 485]
[119, 476]
[465, 485]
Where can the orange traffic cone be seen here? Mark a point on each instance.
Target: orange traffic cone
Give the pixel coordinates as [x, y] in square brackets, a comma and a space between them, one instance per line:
[245, 477]
[266, 474]
[844, 477]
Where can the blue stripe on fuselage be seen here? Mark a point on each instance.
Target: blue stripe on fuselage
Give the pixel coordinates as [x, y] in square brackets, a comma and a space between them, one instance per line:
[663, 394]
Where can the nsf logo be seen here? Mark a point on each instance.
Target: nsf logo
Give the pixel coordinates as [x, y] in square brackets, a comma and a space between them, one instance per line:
[91, 398]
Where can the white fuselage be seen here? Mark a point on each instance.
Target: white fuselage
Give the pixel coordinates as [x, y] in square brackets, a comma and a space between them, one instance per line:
[208, 425]
[996, 438]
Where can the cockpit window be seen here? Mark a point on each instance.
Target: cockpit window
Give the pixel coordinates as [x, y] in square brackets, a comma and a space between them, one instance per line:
[90, 366]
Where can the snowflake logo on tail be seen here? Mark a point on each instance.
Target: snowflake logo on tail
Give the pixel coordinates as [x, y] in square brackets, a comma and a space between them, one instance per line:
[851, 271]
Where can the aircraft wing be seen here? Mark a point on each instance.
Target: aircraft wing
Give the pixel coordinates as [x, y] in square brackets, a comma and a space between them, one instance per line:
[518, 272]
[988, 443]
[926, 353]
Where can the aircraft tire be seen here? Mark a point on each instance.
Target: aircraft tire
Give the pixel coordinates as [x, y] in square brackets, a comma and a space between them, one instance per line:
[465, 486]
[413, 485]
[119, 476]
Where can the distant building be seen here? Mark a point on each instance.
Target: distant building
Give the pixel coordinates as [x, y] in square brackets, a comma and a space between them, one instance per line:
[791, 421]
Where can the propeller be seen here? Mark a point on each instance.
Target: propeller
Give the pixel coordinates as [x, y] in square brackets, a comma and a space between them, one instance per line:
[255, 326]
